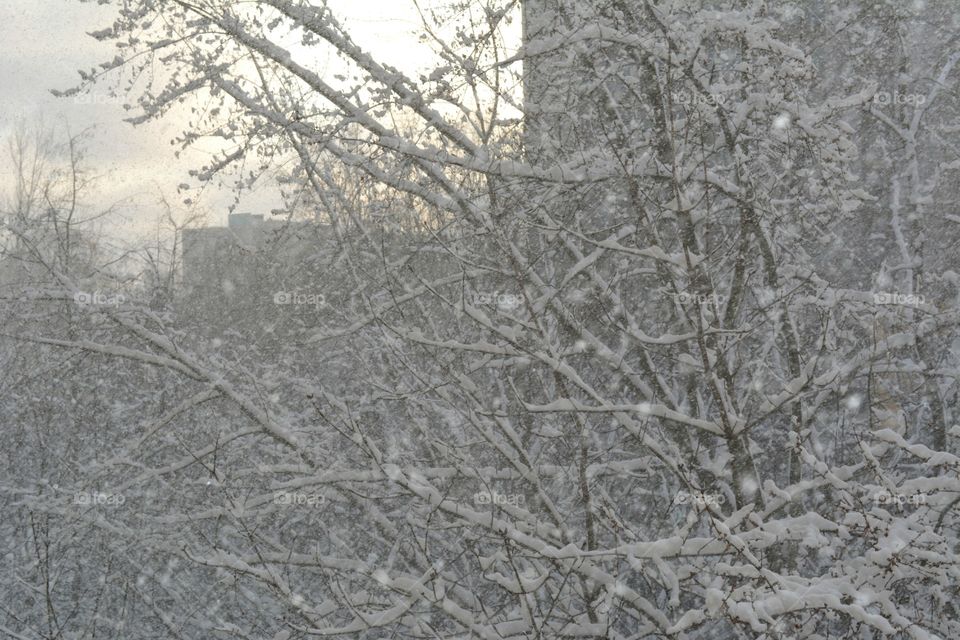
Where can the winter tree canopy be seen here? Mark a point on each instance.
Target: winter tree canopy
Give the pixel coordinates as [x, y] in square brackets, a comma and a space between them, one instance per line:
[627, 319]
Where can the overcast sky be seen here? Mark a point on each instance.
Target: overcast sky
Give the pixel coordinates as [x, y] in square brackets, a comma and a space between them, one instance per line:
[45, 43]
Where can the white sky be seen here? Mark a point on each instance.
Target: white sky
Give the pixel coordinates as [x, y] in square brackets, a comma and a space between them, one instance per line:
[44, 42]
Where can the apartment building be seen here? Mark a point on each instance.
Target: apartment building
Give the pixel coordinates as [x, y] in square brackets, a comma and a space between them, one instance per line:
[242, 269]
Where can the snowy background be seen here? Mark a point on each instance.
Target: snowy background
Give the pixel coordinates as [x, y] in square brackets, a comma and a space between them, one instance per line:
[480, 318]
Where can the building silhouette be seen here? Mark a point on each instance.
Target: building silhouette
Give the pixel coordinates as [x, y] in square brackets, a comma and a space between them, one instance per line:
[238, 270]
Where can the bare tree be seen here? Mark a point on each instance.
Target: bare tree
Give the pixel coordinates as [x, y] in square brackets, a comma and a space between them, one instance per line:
[608, 388]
